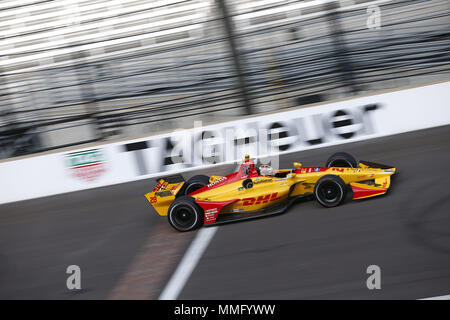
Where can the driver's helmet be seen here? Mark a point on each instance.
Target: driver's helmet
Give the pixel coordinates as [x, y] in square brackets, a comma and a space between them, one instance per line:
[265, 170]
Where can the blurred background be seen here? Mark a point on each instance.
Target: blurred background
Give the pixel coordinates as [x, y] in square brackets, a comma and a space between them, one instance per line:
[78, 71]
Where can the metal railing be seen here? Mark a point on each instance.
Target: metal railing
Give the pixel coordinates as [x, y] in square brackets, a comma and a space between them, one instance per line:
[242, 57]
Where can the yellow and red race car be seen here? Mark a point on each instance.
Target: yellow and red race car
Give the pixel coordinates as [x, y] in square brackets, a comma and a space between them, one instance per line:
[255, 191]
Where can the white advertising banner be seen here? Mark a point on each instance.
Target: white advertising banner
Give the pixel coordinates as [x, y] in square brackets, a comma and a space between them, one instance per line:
[183, 150]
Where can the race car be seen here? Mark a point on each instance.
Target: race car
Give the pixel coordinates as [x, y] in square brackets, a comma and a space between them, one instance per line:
[259, 190]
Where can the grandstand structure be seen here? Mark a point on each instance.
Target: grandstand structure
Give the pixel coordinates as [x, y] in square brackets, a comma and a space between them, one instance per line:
[77, 71]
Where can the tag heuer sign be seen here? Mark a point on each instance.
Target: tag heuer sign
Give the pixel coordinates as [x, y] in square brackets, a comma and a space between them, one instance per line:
[86, 165]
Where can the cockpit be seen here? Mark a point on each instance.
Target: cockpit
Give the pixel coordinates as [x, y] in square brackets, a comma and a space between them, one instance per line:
[266, 170]
[249, 169]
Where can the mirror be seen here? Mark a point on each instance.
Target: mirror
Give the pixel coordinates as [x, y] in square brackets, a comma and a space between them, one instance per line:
[297, 165]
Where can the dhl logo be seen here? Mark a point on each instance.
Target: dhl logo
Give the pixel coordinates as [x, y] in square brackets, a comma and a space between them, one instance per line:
[161, 185]
[174, 187]
[158, 185]
[261, 199]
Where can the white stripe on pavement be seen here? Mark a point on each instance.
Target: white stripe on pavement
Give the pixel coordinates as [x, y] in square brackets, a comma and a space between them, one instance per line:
[188, 264]
[447, 297]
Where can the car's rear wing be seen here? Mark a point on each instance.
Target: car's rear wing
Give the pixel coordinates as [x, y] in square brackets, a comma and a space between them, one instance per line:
[377, 186]
[163, 195]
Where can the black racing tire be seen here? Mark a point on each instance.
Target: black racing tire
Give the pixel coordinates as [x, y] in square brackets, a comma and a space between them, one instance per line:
[330, 191]
[185, 215]
[342, 160]
[195, 183]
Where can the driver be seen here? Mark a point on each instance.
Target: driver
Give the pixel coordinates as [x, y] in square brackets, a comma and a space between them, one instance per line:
[266, 170]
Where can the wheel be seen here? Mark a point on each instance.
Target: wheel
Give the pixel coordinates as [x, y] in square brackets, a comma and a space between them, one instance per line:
[195, 183]
[330, 191]
[184, 214]
[342, 159]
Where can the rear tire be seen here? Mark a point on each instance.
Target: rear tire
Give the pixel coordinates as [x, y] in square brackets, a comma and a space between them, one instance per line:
[342, 160]
[195, 183]
[184, 214]
[330, 191]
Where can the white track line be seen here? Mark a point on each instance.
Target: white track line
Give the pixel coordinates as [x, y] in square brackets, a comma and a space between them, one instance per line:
[191, 259]
[447, 297]
[188, 264]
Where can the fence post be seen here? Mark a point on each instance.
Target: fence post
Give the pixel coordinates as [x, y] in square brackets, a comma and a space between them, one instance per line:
[344, 65]
[229, 31]
[87, 91]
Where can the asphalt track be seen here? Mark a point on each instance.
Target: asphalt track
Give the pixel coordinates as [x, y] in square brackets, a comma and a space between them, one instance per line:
[309, 252]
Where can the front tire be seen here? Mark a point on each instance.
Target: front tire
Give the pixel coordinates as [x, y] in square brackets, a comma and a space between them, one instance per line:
[184, 214]
[195, 183]
[342, 160]
[330, 191]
